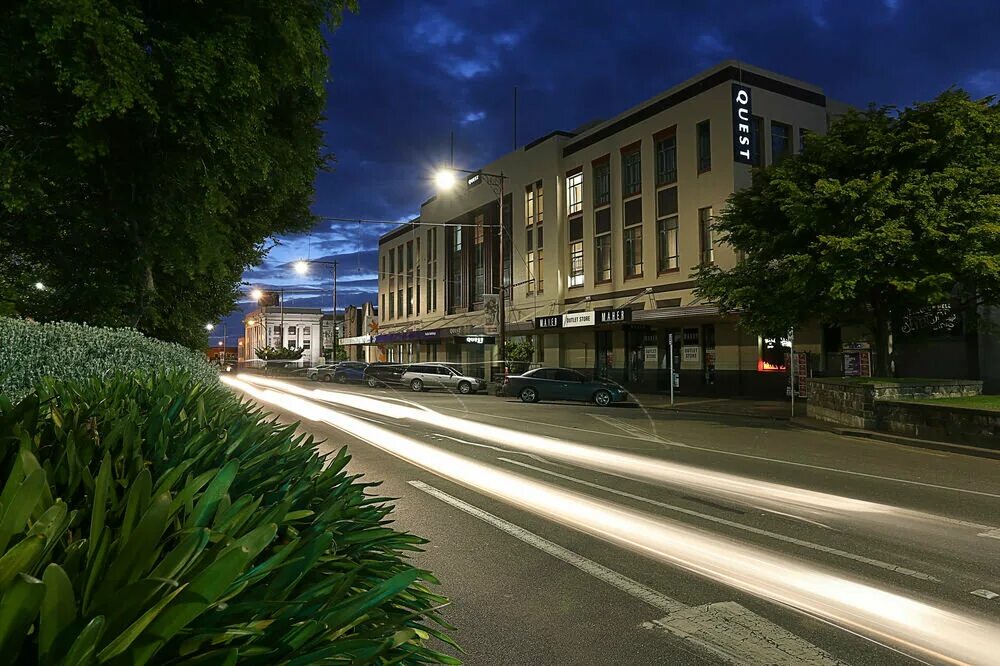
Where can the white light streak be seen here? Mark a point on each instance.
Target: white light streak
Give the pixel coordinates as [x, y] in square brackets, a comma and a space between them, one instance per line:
[900, 622]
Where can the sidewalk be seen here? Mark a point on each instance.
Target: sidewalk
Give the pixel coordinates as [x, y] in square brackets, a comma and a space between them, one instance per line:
[767, 409]
[781, 410]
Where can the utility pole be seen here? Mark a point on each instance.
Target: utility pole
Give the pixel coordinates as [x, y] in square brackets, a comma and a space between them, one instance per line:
[502, 328]
[334, 310]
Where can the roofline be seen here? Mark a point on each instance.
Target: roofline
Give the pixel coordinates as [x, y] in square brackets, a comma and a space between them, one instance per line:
[399, 231]
[730, 70]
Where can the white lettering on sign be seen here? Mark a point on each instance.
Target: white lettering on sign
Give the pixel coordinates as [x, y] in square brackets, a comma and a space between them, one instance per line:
[613, 316]
[742, 129]
[474, 339]
[549, 322]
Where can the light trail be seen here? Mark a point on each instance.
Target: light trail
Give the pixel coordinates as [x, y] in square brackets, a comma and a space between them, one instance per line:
[776, 498]
[896, 621]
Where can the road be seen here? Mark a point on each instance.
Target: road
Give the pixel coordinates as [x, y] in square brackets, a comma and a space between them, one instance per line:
[571, 534]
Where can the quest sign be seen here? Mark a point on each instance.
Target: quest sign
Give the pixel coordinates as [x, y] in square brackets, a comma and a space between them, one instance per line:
[742, 115]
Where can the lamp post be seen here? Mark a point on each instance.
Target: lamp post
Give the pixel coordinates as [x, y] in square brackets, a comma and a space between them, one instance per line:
[445, 180]
[302, 267]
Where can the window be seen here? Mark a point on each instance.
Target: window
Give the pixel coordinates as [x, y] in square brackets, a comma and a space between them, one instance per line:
[666, 230]
[534, 216]
[277, 330]
[479, 259]
[392, 282]
[666, 245]
[456, 283]
[382, 309]
[305, 344]
[409, 278]
[781, 141]
[666, 160]
[802, 138]
[602, 183]
[602, 245]
[576, 264]
[704, 133]
[631, 173]
[706, 234]
[291, 330]
[633, 251]
[305, 332]
[432, 270]
[757, 141]
[574, 193]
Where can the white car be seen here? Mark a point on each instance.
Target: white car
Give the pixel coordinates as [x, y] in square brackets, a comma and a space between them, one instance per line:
[423, 376]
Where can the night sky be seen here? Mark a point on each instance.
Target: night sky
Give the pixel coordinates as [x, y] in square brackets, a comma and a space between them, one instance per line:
[404, 75]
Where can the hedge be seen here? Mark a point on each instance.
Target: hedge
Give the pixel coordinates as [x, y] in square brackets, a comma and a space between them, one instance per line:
[149, 517]
[30, 351]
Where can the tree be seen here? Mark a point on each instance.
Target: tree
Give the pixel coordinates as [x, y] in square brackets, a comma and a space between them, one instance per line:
[518, 353]
[148, 150]
[889, 213]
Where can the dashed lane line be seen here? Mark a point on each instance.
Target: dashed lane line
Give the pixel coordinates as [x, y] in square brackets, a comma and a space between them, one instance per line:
[905, 571]
[727, 630]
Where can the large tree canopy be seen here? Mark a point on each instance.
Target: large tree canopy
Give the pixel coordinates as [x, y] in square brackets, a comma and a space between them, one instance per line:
[148, 150]
[890, 212]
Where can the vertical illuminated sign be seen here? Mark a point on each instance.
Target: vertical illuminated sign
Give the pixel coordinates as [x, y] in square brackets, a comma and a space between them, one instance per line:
[742, 114]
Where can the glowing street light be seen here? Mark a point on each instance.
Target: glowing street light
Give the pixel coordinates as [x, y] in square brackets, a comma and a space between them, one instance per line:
[444, 179]
[256, 294]
[209, 327]
[301, 267]
[40, 286]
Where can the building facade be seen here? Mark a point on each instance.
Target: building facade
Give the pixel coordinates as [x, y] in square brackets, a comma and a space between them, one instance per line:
[605, 227]
[284, 327]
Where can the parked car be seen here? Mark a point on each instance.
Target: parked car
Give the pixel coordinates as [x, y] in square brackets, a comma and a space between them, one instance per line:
[384, 374]
[423, 376]
[345, 372]
[562, 384]
[312, 374]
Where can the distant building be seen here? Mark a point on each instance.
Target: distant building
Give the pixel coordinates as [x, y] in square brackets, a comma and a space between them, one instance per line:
[359, 325]
[284, 327]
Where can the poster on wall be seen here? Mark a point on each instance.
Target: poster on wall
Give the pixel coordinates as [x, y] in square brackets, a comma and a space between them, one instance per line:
[690, 354]
[649, 354]
[857, 359]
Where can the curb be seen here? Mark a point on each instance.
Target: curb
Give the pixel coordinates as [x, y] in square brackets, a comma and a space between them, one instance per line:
[899, 439]
[716, 412]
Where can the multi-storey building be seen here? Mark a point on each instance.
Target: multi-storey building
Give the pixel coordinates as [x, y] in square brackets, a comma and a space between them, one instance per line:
[605, 227]
[284, 327]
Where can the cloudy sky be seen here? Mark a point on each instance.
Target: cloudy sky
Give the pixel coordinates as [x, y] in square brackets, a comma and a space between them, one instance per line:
[404, 75]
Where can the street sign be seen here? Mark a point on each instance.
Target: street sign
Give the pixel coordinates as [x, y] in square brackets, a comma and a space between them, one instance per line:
[474, 179]
[576, 319]
[553, 321]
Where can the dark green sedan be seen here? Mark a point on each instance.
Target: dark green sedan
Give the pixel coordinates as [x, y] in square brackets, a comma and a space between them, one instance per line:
[562, 384]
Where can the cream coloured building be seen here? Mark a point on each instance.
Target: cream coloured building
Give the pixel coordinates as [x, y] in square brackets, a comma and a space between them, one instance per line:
[605, 227]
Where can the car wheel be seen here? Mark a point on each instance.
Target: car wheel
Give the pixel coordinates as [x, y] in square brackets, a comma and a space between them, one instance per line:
[327, 378]
[341, 379]
[464, 387]
[602, 398]
[529, 394]
[417, 385]
[372, 382]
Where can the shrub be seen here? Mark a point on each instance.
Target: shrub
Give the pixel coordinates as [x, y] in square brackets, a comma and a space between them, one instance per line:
[147, 517]
[31, 351]
[279, 353]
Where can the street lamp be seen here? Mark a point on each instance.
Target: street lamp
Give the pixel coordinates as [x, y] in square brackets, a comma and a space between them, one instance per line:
[445, 180]
[256, 294]
[40, 286]
[209, 327]
[302, 267]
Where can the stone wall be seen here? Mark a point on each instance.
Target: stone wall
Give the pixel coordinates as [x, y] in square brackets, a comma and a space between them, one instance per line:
[946, 423]
[852, 402]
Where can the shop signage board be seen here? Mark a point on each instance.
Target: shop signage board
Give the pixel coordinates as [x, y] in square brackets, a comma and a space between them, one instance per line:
[742, 117]
[690, 354]
[649, 354]
[477, 340]
[857, 363]
[614, 316]
[553, 321]
[576, 319]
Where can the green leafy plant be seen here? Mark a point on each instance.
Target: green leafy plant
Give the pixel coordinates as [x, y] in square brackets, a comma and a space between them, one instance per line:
[31, 351]
[518, 354]
[279, 353]
[150, 518]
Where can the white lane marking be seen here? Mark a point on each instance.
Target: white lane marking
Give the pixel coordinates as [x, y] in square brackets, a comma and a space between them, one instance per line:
[990, 534]
[985, 594]
[753, 457]
[735, 634]
[601, 572]
[630, 429]
[533, 456]
[727, 630]
[722, 521]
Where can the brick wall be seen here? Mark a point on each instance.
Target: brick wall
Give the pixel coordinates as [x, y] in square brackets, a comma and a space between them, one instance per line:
[947, 423]
[853, 403]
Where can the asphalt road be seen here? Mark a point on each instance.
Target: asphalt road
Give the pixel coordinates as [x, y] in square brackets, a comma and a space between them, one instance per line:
[572, 534]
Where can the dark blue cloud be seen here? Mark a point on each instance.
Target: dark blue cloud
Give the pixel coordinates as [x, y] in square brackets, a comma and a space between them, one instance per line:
[403, 76]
